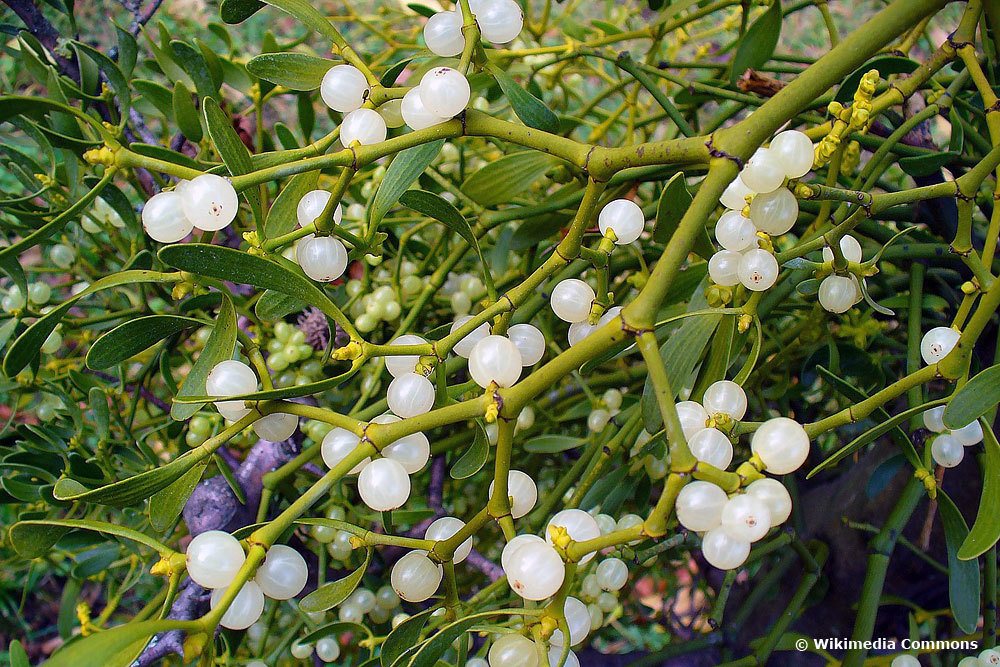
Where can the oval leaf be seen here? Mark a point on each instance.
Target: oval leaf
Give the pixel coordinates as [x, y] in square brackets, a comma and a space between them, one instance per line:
[129, 339]
[510, 176]
[757, 46]
[331, 594]
[976, 397]
[219, 347]
[403, 171]
[963, 575]
[531, 110]
[986, 530]
[297, 71]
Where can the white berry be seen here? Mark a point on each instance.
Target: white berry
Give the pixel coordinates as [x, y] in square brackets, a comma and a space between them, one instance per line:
[337, 445]
[934, 420]
[774, 212]
[782, 444]
[837, 293]
[276, 427]
[522, 491]
[312, 204]
[327, 649]
[773, 494]
[612, 573]
[577, 619]
[231, 378]
[500, 21]
[736, 233]
[693, 417]
[712, 446]
[415, 577]
[163, 218]
[365, 126]
[758, 270]
[410, 394]
[384, 485]
[763, 172]
[724, 268]
[725, 397]
[699, 506]
[344, 88]
[947, 451]
[495, 359]
[938, 343]
[322, 258]
[445, 527]
[535, 571]
[443, 34]
[571, 300]
[746, 517]
[970, 434]
[580, 525]
[210, 202]
[445, 92]
[529, 342]
[283, 573]
[245, 609]
[213, 559]
[513, 650]
[735, 194]
[463, 348]
[723, 550]
[850, 247]
[794, 152]
[403, 363]
[624, 218]
[415, 114]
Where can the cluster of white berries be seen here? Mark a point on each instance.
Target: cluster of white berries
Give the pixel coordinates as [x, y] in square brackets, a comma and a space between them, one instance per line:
[948, 447]
[730, 524]
[773, 210]
[215, 557]
[442, 94]
[322, 258]
[837, 293]
[235, 378]
[987, 658]
[207, 202]
[327, 650]
[500, 22]
[345, 89]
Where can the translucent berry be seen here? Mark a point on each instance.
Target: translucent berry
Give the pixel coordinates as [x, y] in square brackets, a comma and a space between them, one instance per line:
[773, 494]
[245, 609]
[322, 258]
[612, 573]
[746, 517]
[794, 152]
[337, 445]
[723, 550]
[624, 218]
[522, 491]
[513, 650]
[947, 451]
[312, 204]
[774, 212]
[713, 447]
[443, 34]
[415, 114]
[445, 527]
[970, 434]
[937, 343]
[782, 444]
[410, 394]
[693, 417]
[210, 202]
[837, 293]
[724, 268]
[404, 363]
[495, 359]
[736, 233]
[758, 270]
[364, 126]
[276, 427]
[384, 485]
[580, 525]
[463, 348]
[344, 88]
[850, 247]
[529, 342]
[735, 194]
[699, 506]
[571, 300]
[415, 577]
[934, 420]
[500, 21]
[163, 218]
[763, 172]
[445, 92]
[535, 571]
[283, 573]
[213, 559]
[725, 397]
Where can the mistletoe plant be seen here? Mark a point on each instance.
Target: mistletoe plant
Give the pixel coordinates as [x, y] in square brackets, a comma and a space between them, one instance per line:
[533, 329]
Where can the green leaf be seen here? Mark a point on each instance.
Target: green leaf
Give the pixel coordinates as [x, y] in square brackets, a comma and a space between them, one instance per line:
[129, 339]
[335, 629]
[232, 149]
[219, 347]
[474, 458]
[237, 11]
[116, 647]
[32, 539]
[924, 165]
[404, 637]
[434, 206]
[130, 490]
[272, 306]
[116, 79]
[240, 267]
[166, 505]
[185, 114]
[872, 434]
[552, 443]
[282, 216]
[680, 353]
[975, 398]
[23, 350]
[986, 530]
[18, 656]
[296, 71]
[531, 110]
[403, 171]
[673, 204]
[128, 50]
[193, 63]
[331, 594]
[510, 176]
[963, 575]
[757, 46]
